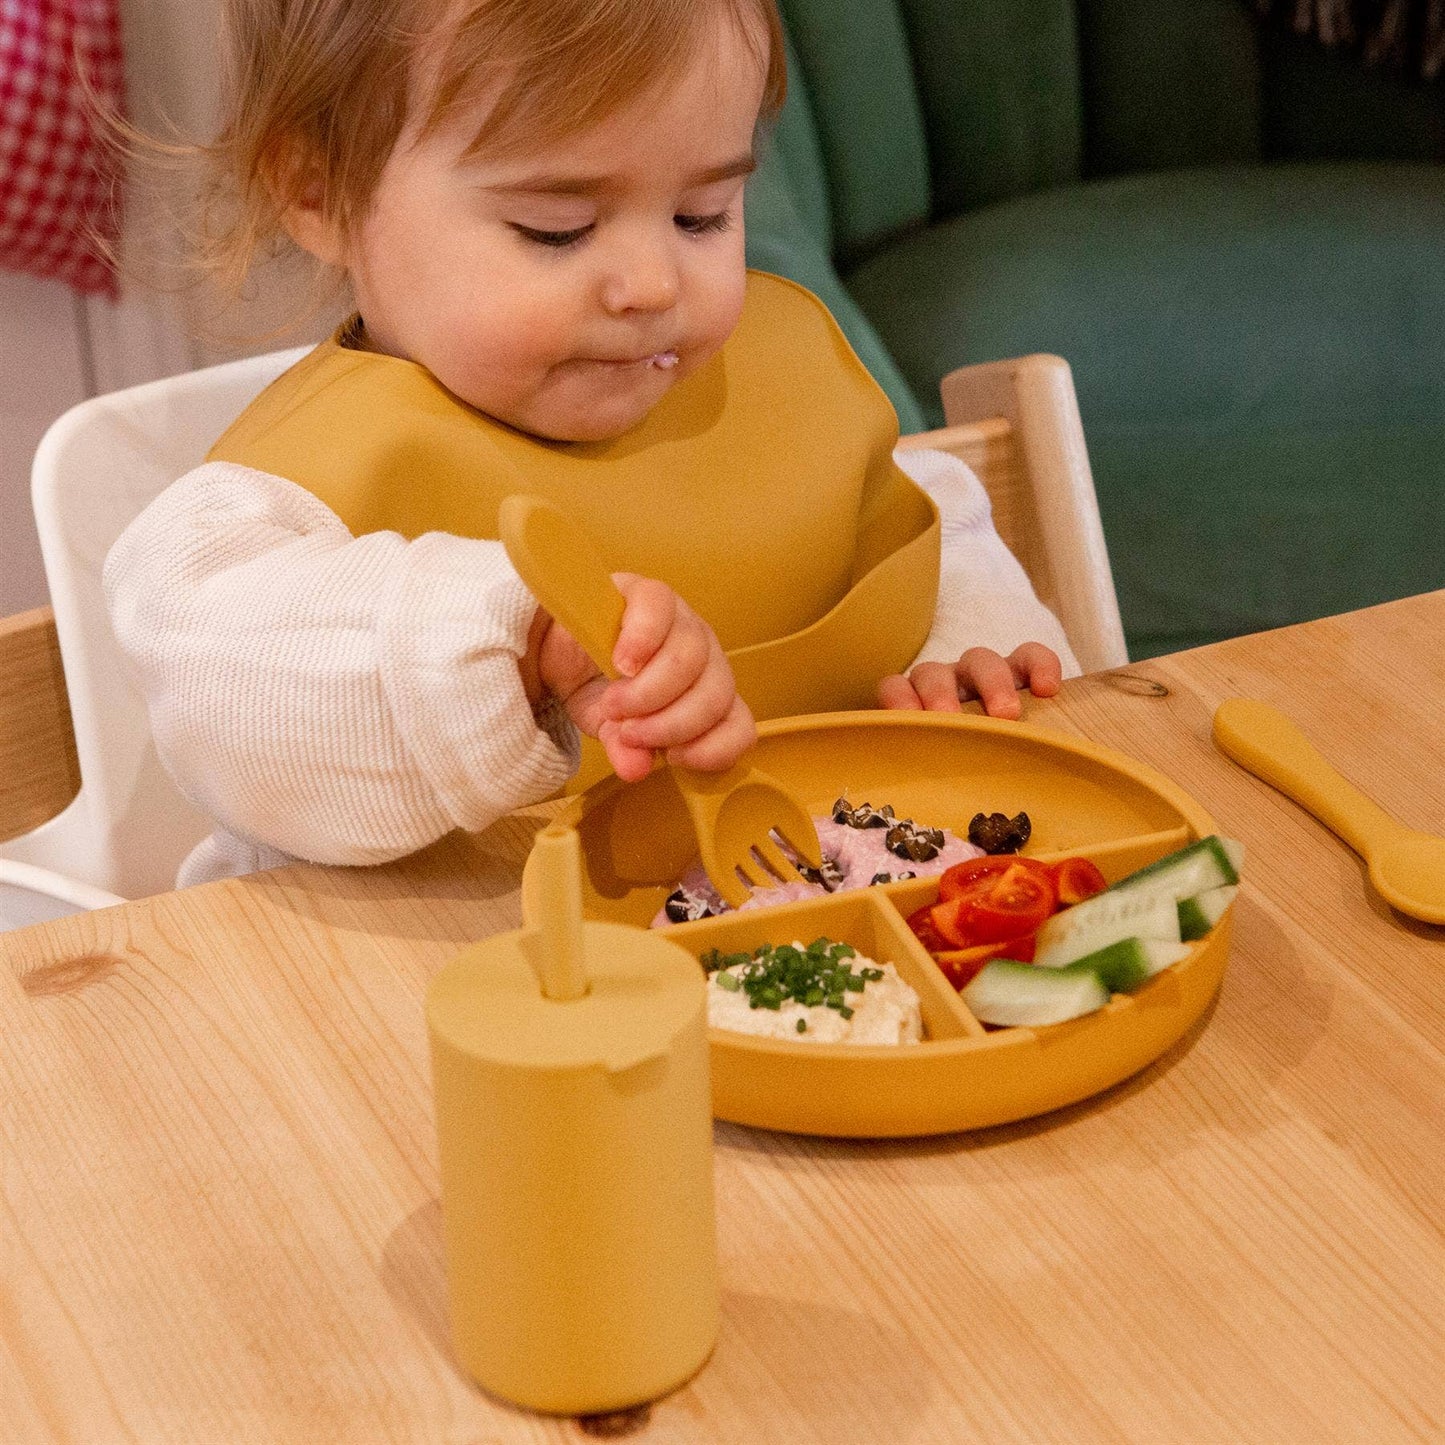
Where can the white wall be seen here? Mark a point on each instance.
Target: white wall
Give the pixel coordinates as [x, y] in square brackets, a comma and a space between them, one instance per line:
[56, 349]
[42, 371]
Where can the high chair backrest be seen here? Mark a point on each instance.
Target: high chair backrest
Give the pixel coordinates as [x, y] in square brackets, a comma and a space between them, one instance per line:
[98, 466]
[1016, 423]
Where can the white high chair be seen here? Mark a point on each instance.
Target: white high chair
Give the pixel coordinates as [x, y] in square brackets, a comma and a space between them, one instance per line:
[125, 831]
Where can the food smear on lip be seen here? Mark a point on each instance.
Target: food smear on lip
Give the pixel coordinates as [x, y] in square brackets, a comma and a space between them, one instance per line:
[823, 992]
[861, 846]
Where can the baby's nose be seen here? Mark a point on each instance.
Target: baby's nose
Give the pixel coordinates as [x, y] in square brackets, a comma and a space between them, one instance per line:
[643, 278]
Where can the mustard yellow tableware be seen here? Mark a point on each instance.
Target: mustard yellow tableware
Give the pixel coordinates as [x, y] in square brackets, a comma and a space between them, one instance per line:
[1407, 867]
[940, 769]
[571, 1073]
[733, 813]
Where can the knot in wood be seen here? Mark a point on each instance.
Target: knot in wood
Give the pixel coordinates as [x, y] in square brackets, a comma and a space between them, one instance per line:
[1133, 683]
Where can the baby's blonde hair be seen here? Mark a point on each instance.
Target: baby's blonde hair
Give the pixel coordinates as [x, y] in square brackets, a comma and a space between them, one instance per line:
[319, 90]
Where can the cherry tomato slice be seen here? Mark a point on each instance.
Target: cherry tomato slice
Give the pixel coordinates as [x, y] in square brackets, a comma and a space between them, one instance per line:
[945, 920]
[1022, 949]
[956, 881]
[959, 965]
[1077, 879]
[1000, 905]
[924, 930]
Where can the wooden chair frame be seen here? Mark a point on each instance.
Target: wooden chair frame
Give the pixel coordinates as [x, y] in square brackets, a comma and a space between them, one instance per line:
[1016, 423]
[39, 769]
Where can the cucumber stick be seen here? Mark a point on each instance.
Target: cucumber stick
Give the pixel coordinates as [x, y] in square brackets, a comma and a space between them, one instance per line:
[1124, 966]
[1197, 868]
[1024, 995]
[1104, 919]
[1113, 942]
[1199, 914]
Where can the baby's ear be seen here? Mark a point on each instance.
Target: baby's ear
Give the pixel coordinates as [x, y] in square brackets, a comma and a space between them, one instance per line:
[297, 184]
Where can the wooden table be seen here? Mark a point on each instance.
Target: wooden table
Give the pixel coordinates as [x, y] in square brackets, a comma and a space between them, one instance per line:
[220, 1217]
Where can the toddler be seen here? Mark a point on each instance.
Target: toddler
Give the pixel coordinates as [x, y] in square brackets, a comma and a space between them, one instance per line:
[538, 208]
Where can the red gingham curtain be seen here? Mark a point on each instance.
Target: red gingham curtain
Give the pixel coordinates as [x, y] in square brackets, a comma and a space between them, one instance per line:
[59, 185]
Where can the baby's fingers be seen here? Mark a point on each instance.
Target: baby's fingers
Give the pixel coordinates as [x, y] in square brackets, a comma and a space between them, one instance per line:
[678, 660]
[721, 746]
[895, 691]
[704, 702]
[647, 621]
[629, 763]
[987, 676]
[936, 684]
[1037, 668]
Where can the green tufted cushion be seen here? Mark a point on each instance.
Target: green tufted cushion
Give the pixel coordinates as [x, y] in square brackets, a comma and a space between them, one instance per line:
[1170, 83]
[1259, 354]
[853, 59]
[999, 85]
[1325, 105]
[780, 240]
[797, 157]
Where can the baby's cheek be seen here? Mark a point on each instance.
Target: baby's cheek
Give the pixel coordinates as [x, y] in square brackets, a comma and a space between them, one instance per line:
[721, 303]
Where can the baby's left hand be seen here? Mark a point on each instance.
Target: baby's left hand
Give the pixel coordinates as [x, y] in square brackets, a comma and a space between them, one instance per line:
[995, 681]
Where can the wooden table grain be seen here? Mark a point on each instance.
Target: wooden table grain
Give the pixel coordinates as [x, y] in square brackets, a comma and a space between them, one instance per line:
[219, 1191]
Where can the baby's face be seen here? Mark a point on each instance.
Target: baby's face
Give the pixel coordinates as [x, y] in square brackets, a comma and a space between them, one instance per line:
[565, 290]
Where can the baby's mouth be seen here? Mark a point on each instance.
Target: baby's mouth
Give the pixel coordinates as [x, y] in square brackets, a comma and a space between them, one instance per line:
[661, 360]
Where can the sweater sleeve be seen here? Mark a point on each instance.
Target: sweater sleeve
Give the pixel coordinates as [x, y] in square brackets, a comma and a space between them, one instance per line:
[339, 699]
[985, 598]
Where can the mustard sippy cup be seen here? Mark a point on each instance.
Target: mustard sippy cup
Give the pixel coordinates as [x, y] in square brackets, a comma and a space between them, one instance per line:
[574, 1121]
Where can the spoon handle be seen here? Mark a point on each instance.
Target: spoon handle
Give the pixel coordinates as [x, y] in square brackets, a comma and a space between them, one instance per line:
[564, 571]
[1262, 740]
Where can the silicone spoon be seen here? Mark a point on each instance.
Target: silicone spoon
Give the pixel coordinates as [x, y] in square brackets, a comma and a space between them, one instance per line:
[734, 813]
[1407, 867]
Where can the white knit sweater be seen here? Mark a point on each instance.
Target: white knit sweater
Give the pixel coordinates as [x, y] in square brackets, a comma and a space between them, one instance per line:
[351, 699]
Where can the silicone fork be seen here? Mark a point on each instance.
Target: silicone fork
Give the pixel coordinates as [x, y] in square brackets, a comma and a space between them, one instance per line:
[734, 813]
[1407, 867]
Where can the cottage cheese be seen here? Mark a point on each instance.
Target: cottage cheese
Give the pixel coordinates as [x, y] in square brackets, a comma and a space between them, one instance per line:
[886, 1012]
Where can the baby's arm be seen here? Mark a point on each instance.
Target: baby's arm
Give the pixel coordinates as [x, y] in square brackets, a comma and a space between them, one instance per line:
[341, 699]
[991, 635]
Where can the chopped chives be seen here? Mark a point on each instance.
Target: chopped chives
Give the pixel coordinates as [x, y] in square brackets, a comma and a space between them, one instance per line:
[777, 974]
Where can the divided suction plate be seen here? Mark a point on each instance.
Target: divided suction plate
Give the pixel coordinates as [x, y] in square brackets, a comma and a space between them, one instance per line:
[939, 769]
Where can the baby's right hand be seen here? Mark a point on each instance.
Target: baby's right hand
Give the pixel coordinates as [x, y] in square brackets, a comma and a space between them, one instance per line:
[676, 692]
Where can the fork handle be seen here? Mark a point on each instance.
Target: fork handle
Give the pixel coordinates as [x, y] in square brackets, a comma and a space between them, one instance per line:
[565, 572]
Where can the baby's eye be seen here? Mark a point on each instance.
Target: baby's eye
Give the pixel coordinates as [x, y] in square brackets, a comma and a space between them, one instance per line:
[700, 225]
[550, 238]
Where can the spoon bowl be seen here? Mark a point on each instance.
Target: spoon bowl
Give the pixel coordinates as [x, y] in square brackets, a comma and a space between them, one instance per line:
[1409, 874]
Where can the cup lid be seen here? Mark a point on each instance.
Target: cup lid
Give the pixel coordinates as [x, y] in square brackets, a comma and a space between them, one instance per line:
[643, 991]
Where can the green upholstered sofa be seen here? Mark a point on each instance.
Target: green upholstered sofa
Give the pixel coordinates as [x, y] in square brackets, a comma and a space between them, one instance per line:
[1235, 238]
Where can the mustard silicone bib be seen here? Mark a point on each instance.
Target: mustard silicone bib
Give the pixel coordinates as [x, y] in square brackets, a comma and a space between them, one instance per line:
[762, 488]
